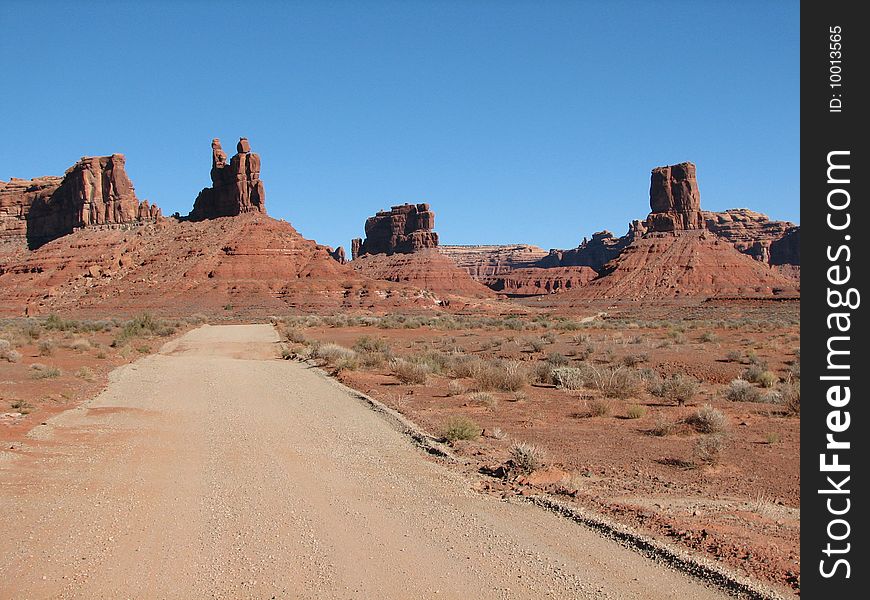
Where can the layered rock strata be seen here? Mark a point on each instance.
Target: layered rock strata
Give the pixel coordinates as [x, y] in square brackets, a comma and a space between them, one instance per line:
[403, 229]
[95, 191]
[236, 185]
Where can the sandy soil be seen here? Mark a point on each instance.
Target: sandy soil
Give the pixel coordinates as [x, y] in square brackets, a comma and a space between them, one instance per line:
[215, 470]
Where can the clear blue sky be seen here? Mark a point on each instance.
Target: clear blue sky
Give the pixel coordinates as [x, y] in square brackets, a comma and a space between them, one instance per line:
[519, 122]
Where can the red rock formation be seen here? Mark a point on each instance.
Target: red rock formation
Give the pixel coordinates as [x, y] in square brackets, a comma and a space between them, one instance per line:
[94, 191]
[755, 234]
[425, 269]
[403, 229]
[256, 264]
[686, 264]
[485, 263]
[594, 253]
[675, 202]
[338, 254]
[536, 281]
[236, 187]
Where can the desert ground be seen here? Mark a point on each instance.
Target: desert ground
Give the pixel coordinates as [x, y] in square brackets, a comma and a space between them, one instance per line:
[214, 468]
[161, 483]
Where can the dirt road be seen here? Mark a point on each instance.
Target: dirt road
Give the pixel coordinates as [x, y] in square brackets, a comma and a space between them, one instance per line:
[215, 470]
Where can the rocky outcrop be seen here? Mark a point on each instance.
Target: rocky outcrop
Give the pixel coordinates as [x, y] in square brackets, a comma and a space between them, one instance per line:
[595, 252]
[674, 199]
[95, 191]
[338, 254]
[485, 263]
[754, 234]
[686, 264]
[426, 270]
[401, 230]
[536, 281]
[236, 186]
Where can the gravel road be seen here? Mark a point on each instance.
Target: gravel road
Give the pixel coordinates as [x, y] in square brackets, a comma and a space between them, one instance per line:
[215, 470]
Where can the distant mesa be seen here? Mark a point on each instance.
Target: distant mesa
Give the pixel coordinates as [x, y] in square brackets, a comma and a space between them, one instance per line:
[95, 191]
[403, 229]
[236, 186]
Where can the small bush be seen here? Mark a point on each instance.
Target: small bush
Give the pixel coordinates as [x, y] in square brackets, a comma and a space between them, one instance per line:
[768, 379]
[410, 372]
[574, 378]
[485, 398]
[679, 388]
[708, 449]
[368, 343]
[520, 396]
[46, 347]
[294, 335]
[708, 337]
[599, 408]
[40, 371]
[555, 359]
[734, 356]
[22, 406]
[791, 397]
[662, 427]
[460, 428]
[8, 353]
[619, 383]
[85, 373]
[80, 345]
[635, 411]
[332, 353]
[632, 360]
[527, 457]
[740, 390]
[455, 388]
[708, 420]
[505, 377]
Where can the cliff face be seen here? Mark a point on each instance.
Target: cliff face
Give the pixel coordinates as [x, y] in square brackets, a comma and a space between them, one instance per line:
[236, 186]
[485, 263]
[401, 230]
[674, 199]
[94, 191]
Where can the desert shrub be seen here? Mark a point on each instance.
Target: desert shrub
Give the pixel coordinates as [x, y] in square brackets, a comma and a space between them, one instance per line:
[740, 390]
[455, 388]
[520, 396]
[543, 373]
[599, 408]
[22, 406]
[791, 397]
[8, 353]
[40, 371]
[708, 337]
[368, 343]
[574, 378]
[437, 361]
[460, 428]
[794, 370]
[291, 334]
[332, 353]
[619, 383]
[708, 420]
[734, 356]
[768, 379]
[708, 449]
[679, 388]
[80, 344]
[662, 426]
[635, 411]
[527, 457]
[484, 398]
[556, 360]
[410, 372]
[85, 373]
[46, 347]
[631, 360]
[466, 365]
[143, 325]
[536, 345]
[505, 377]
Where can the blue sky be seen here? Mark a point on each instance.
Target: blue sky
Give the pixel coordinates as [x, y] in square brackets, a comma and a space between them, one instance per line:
[518, 122]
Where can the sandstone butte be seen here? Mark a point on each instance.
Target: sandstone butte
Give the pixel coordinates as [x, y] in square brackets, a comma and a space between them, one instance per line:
[673, 254]
[402, 246]
[94, 192]
[674, 206]
[84, 242]
[205, 262]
